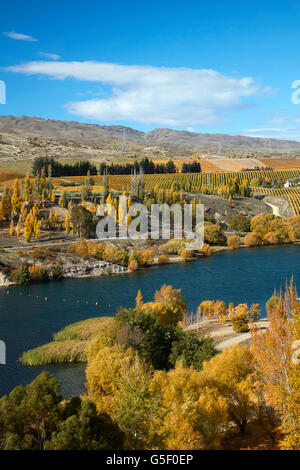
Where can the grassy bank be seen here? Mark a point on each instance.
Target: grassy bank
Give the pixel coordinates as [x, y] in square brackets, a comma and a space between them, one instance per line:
[69, 344]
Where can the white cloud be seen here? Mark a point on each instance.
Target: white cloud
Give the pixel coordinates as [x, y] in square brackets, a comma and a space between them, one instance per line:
[289, 133]
[47, 55]
[19, 36]
[151, 95]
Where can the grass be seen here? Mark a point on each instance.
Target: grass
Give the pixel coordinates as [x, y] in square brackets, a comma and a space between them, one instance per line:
[82, 330]
[57, 352]
[69, 344]
[16, 166]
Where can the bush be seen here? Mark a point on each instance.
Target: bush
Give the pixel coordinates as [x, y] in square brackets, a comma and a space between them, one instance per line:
[114, 254]
[21, 275]
[239, 317]
[133, 265]
[205, 249]
[57, 272]
[191, 350]
[265, 223]
[187, 255]
[173, 247]
[271, 238]
[239, 222]
[214, 235]
[294, 223]
[163, 259]
[233, 242]
[252, 239]
[38, 274]
[142, 331]
[148, 257]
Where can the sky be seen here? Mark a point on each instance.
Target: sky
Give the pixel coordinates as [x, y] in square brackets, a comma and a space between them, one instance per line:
[215, 67]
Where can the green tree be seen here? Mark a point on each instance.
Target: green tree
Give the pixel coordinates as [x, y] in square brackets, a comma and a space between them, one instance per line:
[138, 407]
[191, 350]
[85, 429]
[83, 222]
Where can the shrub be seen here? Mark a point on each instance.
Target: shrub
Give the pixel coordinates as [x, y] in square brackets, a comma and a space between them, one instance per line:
[137, 256]
[96, 249]
[133, 265]
[234, 242]
[163, 259]
[21, 275]
[148, 257]
[191, 350]
[173, 247]
[271, 238]
[80, 247]
[142, 331]
[294, 223]
[187, 255]
[206, 308]
[57, 272]
[38, 274]
[240, 223]
[252, 239]
[205, 249]
[214, 235]
[115, 254]
[265, 223]
[240, 318]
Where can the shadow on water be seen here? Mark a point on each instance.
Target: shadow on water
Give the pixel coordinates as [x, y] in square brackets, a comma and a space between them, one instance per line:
[30, 315]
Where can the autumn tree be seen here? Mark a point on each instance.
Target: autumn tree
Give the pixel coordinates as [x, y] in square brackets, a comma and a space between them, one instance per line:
[228, 373]
[169, 305]
[252, 239]
[239, 317]
[275, 354]
[16, 198]
[137, 407]
[5, 207]
[233, 242]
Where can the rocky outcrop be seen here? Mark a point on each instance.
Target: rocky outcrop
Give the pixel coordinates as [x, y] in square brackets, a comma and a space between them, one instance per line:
[4, 280]
[280, 206]
[90, 268]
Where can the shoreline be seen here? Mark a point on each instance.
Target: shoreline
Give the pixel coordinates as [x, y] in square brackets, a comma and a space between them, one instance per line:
[176, 259]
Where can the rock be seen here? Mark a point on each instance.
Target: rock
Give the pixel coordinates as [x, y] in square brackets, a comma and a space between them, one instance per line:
[5, 281]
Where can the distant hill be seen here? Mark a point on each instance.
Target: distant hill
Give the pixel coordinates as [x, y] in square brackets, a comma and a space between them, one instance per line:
[31, 136]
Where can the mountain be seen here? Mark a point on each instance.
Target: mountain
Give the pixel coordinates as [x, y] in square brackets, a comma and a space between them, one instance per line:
[26, 137]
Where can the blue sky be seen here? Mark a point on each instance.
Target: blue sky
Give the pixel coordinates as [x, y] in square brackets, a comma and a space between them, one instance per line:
[227, 67]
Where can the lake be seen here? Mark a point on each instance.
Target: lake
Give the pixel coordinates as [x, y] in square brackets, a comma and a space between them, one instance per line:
[28, 320]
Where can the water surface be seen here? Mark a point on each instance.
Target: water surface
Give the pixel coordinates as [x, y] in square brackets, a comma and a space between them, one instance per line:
[28, 320]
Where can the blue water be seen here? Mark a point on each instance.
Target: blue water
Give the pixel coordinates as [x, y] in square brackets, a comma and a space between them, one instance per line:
[27, 320]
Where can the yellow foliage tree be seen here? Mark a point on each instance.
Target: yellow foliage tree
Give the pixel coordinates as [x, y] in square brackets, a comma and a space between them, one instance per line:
[229, 374]
[16, 199]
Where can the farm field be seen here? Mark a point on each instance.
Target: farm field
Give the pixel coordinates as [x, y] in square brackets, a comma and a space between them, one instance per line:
[195, 181]
[281, 163]
[236, 164]
[292, 194]
[8, 175]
